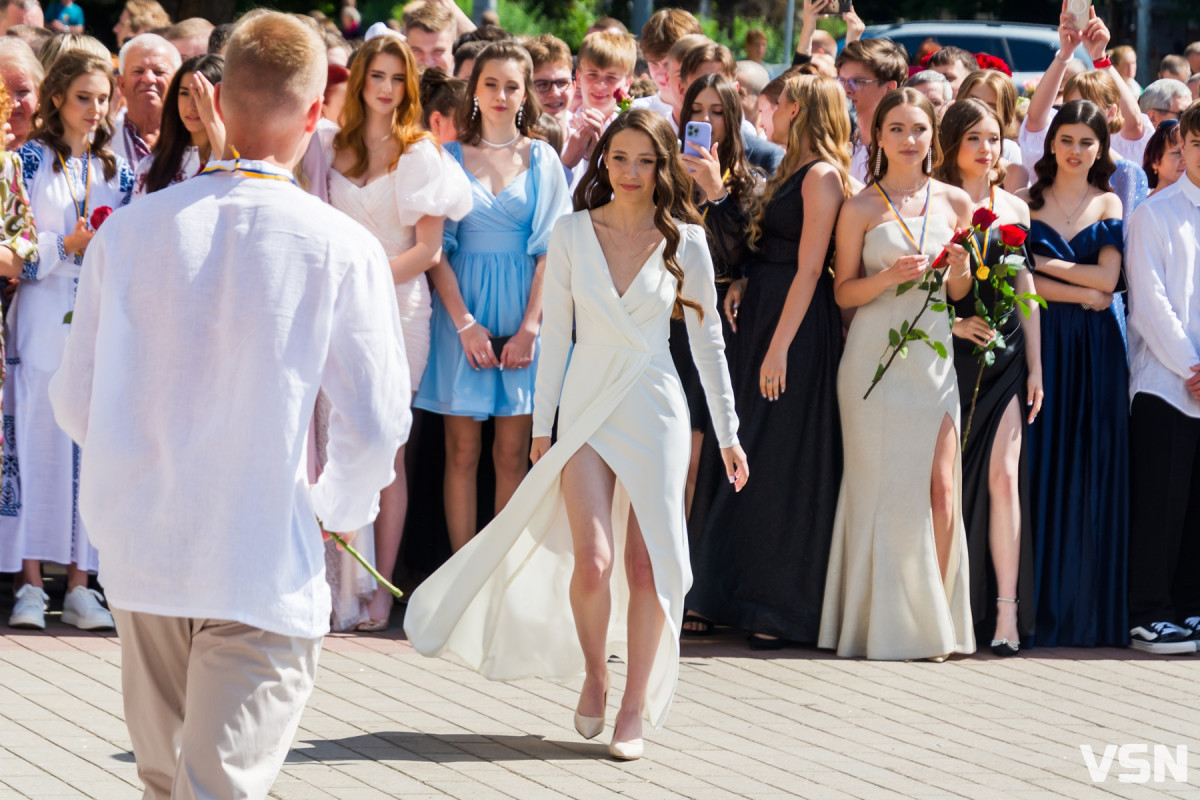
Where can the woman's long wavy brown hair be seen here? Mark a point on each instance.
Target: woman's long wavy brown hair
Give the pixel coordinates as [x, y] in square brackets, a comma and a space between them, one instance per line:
[731, 152]
[1076, 112]
[406, 119]
[825, 123]
[47, 120]
[672, 189]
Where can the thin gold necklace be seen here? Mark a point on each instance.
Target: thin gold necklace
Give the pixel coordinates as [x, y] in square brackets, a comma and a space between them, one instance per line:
[1086, 196]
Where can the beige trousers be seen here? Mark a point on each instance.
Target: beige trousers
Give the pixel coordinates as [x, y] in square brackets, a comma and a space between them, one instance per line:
[211, 705]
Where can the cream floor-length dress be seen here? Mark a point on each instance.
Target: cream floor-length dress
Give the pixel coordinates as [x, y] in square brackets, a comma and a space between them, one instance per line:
[884, 595]
[501, 604]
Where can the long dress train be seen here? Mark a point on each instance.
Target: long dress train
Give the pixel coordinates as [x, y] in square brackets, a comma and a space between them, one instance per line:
[884, 594]
[501, 604]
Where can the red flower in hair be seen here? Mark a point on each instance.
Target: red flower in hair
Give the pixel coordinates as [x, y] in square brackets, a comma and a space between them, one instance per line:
[987, 61]
[1013, 235]
[99, 214]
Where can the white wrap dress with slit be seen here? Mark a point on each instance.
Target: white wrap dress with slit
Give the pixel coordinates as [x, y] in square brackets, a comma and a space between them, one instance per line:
[501, 604]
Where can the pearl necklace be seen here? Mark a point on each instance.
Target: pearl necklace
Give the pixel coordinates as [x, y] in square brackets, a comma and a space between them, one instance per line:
[501, 145]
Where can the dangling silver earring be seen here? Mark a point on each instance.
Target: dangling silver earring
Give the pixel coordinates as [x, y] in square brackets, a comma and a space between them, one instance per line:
[929, 161]
[475, 108]
[878, 161]
[520, 116]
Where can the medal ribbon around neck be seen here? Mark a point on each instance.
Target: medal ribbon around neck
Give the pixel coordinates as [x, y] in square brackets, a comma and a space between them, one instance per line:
[987, 235]
[924, 220]
[249, 172]
[87, 182]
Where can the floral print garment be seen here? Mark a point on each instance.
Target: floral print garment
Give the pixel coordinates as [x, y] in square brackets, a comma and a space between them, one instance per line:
[20, 236]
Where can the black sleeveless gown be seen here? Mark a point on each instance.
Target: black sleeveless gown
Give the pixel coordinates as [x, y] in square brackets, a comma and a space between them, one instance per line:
[1000, 384]
[759, 556]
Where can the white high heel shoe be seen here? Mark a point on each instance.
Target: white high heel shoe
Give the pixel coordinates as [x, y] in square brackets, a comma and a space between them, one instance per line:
[626, 751]
[591, 727]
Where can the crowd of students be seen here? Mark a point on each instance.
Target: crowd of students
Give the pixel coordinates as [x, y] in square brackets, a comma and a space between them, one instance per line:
[871, 528]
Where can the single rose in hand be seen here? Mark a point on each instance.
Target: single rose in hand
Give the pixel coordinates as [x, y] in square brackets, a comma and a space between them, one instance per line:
[624, 101]
[98, 216]
[983, 219]
[1013, 235]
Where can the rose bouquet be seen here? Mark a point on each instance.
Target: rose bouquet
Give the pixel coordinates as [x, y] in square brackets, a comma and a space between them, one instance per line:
[931, 282]
[1005, 301]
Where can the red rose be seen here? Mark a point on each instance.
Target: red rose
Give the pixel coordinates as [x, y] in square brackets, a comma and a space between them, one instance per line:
[620, 94]
[1013, 235]
[983, 219]
[98, 216]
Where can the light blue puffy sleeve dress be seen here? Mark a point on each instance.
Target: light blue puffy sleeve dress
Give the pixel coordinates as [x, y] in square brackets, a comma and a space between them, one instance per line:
[493, 252]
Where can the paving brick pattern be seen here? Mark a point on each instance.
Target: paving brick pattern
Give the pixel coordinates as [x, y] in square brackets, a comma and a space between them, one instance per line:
[385, 722]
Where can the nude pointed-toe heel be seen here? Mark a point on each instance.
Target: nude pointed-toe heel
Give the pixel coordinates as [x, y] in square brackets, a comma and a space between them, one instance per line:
[591, 727]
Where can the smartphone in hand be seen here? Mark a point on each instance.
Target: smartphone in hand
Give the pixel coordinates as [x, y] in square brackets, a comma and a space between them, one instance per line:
[697, 133]
[1078, 9]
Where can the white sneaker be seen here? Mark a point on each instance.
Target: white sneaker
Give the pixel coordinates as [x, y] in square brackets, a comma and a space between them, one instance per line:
[30, 609]
[82, 609]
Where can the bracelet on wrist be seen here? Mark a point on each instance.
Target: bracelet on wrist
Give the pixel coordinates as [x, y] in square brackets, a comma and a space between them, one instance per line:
[1066, 60]
[470, 323]
[1102, 63]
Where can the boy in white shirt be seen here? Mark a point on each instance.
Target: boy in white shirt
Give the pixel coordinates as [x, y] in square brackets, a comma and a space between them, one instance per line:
[1162, 265]
[208, 316]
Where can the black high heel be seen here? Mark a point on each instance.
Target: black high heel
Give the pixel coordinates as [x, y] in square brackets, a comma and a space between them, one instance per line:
[1003, 647]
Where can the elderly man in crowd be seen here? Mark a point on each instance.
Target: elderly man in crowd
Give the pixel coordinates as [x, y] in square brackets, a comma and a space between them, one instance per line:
[147, 64]
[1166, 98]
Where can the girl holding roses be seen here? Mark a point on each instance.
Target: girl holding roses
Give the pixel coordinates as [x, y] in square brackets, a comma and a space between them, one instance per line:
[995, 469]
[71, 173]
[896, 587]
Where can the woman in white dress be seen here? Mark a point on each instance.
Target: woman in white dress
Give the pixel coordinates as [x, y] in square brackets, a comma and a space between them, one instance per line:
[394, 178]
[70, 173]
[192, 131]
[897, 581]
[590, 556]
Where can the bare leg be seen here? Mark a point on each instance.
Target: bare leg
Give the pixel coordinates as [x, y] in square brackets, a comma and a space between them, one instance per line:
[463, 443]
[587, 484]
[693, 471]
[941, 492]
[389, 528]
[76, 577]
[510, 453]
[645, 621]
[1004, 526]
[31, 572]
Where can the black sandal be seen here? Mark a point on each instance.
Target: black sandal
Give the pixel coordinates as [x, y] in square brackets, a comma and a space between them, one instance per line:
[704, 628]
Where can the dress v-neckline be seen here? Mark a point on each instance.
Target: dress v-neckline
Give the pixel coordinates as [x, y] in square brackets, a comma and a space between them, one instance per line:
[366, 185]
[621, 295]
[504, 188]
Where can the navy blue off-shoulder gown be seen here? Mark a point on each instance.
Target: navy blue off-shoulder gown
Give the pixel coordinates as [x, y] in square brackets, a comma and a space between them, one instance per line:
[1079, 460]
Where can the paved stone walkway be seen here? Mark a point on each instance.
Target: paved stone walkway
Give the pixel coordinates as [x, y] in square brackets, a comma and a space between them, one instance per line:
[385, 722]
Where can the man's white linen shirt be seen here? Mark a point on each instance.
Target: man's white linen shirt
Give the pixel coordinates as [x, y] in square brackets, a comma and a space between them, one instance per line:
[207, 317]
[1162, 266]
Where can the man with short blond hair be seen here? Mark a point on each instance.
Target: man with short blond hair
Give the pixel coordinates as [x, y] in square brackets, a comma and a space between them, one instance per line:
[431, 30]
[211, 555]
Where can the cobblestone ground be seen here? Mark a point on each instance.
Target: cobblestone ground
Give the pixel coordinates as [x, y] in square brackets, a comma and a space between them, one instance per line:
[385, 722]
